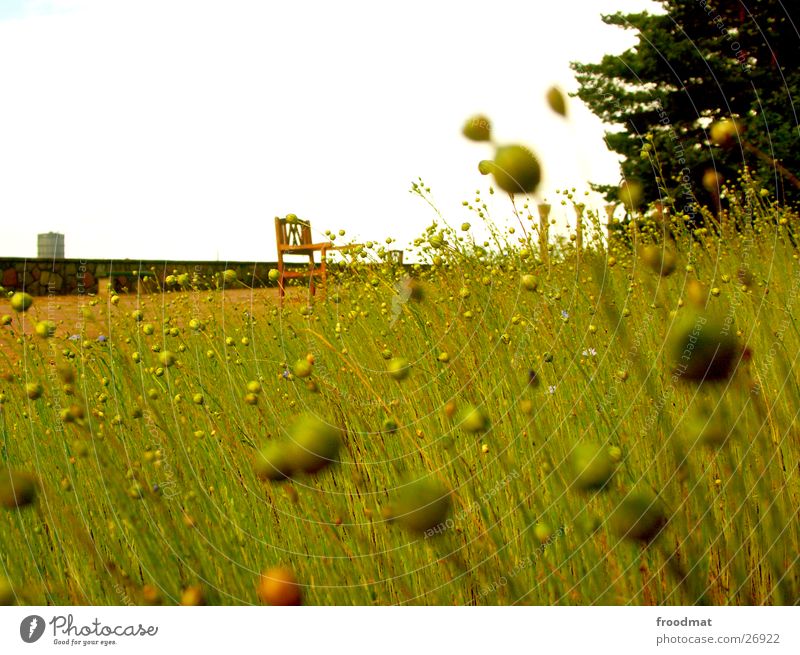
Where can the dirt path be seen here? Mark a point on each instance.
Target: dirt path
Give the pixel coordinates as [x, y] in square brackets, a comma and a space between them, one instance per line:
[73, 314]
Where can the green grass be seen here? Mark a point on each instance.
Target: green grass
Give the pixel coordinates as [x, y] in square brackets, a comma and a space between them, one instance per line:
[519, 530]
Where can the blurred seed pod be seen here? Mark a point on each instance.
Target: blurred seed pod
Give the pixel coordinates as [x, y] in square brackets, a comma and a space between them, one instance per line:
[193, 596]
[533, 378]
[726, 133]
[17, 489]
[167, 358]
[661, 259]
[399, 368]
[529, 282]
[21, 301]
[314, 444]
[151, 595]
[34, 390]
[592, 466]
[543, 532]
[516, 169]
[302, 368]
[478, 128]
[712, 181]
[631, 194]
[556, 101]
[702, 349]
[412, 289]
[639, 516]
[278, 586]
[473, 419]
[273, 462]
[7, 596]
[45, 329]
[422, 505]
[697, 293]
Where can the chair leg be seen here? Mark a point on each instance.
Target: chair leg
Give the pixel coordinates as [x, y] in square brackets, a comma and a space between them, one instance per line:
[311, 284]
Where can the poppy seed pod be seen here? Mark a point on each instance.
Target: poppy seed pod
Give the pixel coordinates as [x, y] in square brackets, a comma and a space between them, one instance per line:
[278, 586]
[592, 466]
[273, 462]
[556, 101]
[421, 505]
[640, 516]
[314, 444]
[478, 128]
[516, 169]
[17, 489]
[702, 349]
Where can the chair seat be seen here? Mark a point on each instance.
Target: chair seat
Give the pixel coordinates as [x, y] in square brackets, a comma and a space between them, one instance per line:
[300, 273]
[305, 249]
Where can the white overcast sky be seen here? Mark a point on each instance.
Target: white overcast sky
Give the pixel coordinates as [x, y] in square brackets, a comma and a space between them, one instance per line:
[179, 128]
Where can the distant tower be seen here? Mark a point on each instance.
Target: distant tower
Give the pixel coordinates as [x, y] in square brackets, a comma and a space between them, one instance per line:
[51, 245]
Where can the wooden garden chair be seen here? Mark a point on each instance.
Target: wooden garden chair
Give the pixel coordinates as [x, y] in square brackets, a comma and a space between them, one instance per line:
[293, 237]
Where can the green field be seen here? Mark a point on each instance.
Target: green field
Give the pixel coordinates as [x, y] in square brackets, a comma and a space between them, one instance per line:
[569, 451]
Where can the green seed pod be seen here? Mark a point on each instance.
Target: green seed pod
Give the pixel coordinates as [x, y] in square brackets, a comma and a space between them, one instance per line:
[16, 489]
[556, 101]
[302, 368]
[631, 194]
[21, 301]
[399, 368]
[661, 260]
[473, 419]
[273, 463]
[167, 358]
[7, 596]
[478, 128]
[315, 444]
[34, 390]
[592, 466]
[529, 282]
[702, 349]
[516, 169]
[640, 516]
[421, 505]
[45, 329]
[726, 132]
[543, 532]
[712, 181]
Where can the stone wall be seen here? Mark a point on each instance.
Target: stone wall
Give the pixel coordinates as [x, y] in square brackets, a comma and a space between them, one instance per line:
[75, 276]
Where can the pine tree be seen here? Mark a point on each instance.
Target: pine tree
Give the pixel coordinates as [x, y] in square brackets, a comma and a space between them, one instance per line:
[698, 63]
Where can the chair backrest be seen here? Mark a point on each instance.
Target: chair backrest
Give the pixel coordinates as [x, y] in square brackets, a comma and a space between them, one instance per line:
[291, 231]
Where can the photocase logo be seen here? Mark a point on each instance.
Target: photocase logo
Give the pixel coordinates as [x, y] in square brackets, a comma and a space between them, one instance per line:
[31, 628]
